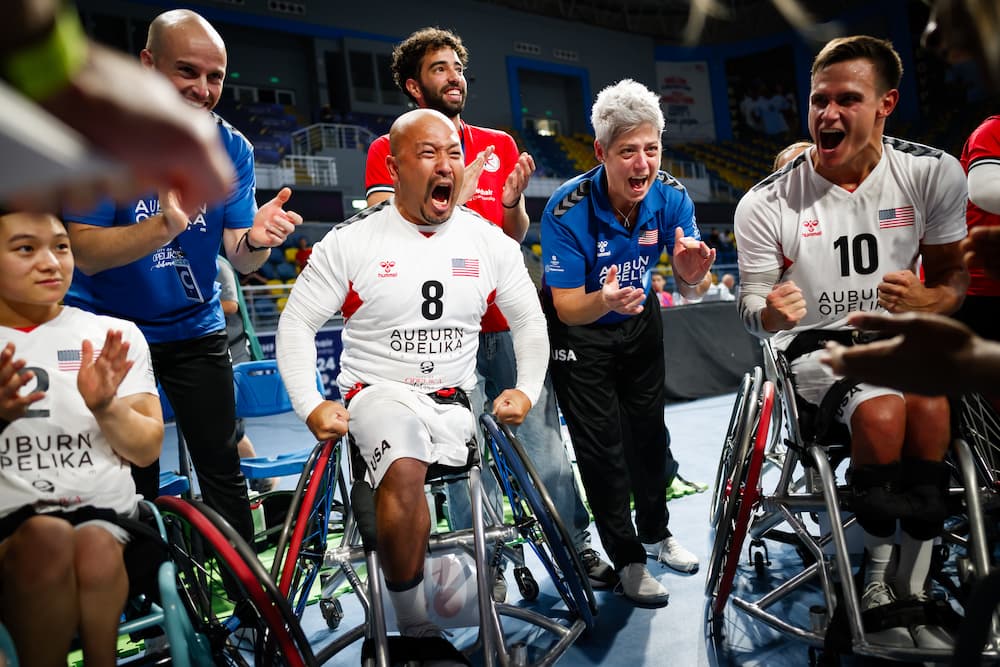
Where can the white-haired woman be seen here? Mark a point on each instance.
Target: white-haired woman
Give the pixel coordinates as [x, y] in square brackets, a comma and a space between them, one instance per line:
[602, 233]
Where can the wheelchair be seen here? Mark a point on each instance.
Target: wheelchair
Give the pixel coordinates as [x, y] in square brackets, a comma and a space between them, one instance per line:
[805, 512]
[304, 554]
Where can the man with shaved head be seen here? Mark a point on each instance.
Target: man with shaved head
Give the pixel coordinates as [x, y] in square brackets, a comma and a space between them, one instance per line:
[412, 277]
[152, 261]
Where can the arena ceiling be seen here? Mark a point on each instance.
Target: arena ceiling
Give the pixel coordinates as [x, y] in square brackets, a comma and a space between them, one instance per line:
[671, 20]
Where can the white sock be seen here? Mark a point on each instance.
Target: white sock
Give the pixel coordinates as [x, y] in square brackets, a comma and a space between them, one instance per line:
[879, 554]
[914, 564]
[411, 608]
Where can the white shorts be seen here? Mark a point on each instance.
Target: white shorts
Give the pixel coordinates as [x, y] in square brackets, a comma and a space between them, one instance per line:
[390, 422]
[813, 380]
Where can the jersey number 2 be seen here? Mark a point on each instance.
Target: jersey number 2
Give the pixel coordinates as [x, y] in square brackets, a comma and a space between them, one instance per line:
[862, 254]
[432, 307]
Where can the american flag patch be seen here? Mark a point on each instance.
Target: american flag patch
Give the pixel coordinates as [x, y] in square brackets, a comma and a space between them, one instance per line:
[901, 216]
[461, 266]
[68, 360]
[649, 237]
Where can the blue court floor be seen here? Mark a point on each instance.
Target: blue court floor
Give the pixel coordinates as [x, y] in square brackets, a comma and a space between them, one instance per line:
[624, 635]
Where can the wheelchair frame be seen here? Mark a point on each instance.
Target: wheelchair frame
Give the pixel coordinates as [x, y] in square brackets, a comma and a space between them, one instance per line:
[535, 521]
[807, 484]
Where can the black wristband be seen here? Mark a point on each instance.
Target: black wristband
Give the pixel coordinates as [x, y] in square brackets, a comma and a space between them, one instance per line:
[516, 204]
[250, 246]
[678, 276]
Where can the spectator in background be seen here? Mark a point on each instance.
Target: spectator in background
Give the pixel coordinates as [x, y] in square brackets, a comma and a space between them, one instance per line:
[302, 254]
[659, 282]
[153, 262]
[429, 67]
[239, 351]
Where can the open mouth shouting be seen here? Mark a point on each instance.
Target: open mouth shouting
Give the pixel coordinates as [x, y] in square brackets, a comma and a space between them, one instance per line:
[830, 139]
[637, 184]
[441, 203]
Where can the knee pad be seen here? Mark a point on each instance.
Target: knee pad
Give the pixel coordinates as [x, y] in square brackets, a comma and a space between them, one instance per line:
[874, 494]
[876, 527]
[925, 486]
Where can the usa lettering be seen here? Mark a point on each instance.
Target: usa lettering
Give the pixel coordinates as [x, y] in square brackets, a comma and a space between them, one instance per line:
[841, 302]
[378, 455]
[563, 355]
[426, 341]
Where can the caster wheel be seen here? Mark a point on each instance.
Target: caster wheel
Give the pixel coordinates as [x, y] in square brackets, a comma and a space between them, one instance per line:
[333, 613]
[526, 584]
[759, 565]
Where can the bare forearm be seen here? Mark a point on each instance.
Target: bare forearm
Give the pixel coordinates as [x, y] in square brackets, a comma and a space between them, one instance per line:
[948, 295]
[516, 221]
[134, 436]
[239, 254]
[97, 249]
[581, 308]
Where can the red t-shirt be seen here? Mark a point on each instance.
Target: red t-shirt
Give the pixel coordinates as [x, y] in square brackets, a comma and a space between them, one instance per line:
[488, 198]
[982, 144]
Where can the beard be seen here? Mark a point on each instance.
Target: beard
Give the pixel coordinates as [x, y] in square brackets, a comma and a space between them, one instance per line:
[437, 102]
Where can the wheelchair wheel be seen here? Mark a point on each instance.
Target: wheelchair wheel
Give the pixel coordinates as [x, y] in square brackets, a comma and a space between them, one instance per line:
[732, 462]
[732, 444]
[537, 520]
[979, 424]
[306, 527]
[744, 494]
[229, 597]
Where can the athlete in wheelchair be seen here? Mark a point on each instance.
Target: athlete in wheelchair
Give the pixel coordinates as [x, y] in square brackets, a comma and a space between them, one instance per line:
[412, 277]
[839, 230]
[72, 418]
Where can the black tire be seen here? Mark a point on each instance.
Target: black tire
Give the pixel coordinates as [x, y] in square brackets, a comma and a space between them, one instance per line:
[734, 465]
[537, 520]
[229, 597]
[734, 436]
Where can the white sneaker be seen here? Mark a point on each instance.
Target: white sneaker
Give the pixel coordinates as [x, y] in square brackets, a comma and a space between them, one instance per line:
[673, 555]
[878, 594]
[637, 584]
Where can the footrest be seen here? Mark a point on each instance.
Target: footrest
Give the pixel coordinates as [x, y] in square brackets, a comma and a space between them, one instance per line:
[282, 465]
[402, 649]
[172, 484]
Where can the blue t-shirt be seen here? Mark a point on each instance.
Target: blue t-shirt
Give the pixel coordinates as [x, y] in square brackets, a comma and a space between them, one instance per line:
[171, 294]
[582, 238]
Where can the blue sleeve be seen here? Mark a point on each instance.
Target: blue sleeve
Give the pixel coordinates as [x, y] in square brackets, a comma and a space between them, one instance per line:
[101, 216]
[241, 205]
[681, 214]
[563, 261]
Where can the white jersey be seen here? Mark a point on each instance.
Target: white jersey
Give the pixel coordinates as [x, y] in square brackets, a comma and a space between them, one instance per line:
[836, 245]
[55, 457]
[411, 303]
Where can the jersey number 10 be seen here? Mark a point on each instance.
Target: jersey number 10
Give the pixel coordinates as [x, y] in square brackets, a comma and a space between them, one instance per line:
[862, 253]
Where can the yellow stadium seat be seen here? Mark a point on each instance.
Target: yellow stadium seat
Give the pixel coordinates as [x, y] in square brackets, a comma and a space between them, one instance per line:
[290, 254]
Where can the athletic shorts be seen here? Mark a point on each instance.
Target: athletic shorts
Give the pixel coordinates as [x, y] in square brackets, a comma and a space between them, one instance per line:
[813, 380]
[390, 422]
[78, 518]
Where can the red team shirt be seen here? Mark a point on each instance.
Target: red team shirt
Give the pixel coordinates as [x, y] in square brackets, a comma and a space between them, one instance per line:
[487, 201]
[983, 145]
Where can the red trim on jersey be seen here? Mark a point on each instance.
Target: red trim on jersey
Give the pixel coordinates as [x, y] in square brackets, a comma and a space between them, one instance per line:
[27, 329]
[352, 302]
[785, 263]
